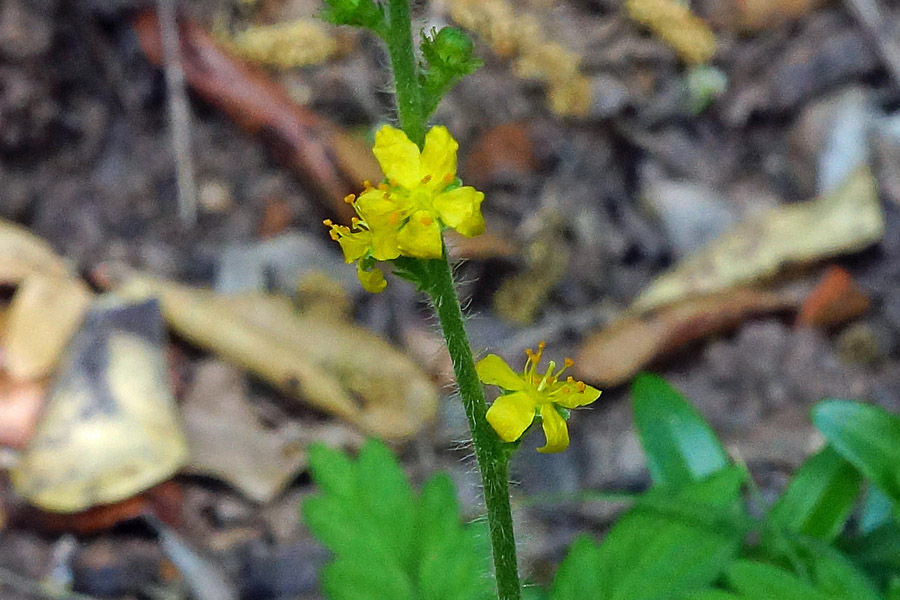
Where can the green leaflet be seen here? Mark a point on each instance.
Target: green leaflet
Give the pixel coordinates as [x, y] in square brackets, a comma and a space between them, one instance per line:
[680, 446]
[387, 541]
[654, 554]
[819, 497]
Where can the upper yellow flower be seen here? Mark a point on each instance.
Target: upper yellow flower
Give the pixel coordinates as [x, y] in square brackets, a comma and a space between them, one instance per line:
[405, 215]
[421, 196]
[530, 393]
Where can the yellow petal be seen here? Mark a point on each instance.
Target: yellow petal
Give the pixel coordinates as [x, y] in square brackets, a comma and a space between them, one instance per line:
[555, 430]
[398, 157]
[421, 237]
[511, 414]
[385, 245]
[355, 245]
[493, 370]
[372, 280]
[439, 156]
[376, 206]
[576, 399]
[461, 210]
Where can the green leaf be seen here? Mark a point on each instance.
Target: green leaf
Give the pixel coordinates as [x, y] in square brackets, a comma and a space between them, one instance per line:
[877, 510]
[578, 572]
[388, 543]
[819, 497]
[867, 436]
[877, 552]
[709, 595]
[759, 581]
[680, 446]
[833, 572]
[652, 556]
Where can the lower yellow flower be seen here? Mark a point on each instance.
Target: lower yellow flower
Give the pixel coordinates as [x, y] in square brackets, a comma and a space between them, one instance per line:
[530, 393]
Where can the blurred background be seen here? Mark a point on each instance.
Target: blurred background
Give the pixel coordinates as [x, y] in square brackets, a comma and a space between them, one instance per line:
[706, 191]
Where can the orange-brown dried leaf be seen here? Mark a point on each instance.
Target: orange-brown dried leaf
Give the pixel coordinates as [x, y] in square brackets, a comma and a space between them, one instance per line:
[836, 299]
[627, 345]
[503, 151]
[20, 407]
[316, 147]
[162, 501]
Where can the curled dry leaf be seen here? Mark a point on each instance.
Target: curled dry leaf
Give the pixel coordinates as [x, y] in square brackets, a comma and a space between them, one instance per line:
[227, 441]
[44, 315]
[329, 158]
[110, 428]
[845, 220]
[23, 253]
[629, 344]
[325, 361]
[46, 309]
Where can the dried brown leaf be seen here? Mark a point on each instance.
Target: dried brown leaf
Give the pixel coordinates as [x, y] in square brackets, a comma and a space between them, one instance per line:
[227, 440]
[615, 354]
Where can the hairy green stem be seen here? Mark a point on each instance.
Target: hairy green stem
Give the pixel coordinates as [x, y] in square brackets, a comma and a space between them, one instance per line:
[492, 460]
[406, 79]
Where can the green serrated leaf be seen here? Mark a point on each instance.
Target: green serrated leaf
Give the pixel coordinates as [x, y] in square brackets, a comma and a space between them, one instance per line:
[649, 556]
[819, 497]
[760, 581]
[388, 543]
[679, 444]
[867, 436]
[579, 571]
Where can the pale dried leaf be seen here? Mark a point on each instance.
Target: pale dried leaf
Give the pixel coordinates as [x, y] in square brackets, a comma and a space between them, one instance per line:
[110, 427]
[227, 441]
[23, 253]
[329, 363]
[44, 315]
[846, 220]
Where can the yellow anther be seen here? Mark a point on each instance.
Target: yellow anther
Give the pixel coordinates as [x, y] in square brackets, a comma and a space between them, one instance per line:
[427, 178]
[350, 198]
[328, 222]
[448, 178]
[426, 221]
[568, 362]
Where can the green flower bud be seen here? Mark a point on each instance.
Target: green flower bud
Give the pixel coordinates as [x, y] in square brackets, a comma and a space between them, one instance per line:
[358, 13]
[450, 49]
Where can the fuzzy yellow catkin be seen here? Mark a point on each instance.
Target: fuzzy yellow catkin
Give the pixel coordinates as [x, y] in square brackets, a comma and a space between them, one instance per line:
[686, 33]
[284, 45]
[511, 35]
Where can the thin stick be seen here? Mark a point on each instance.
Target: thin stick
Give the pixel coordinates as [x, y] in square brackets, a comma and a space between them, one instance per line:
[870, 15]
[179, 113]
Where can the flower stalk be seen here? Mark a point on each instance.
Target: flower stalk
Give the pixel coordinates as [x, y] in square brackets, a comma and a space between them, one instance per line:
[437, 282]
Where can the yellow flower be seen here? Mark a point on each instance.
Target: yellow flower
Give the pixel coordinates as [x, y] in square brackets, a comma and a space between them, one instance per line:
[529, 393]
[421, 196]
[405, 215]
